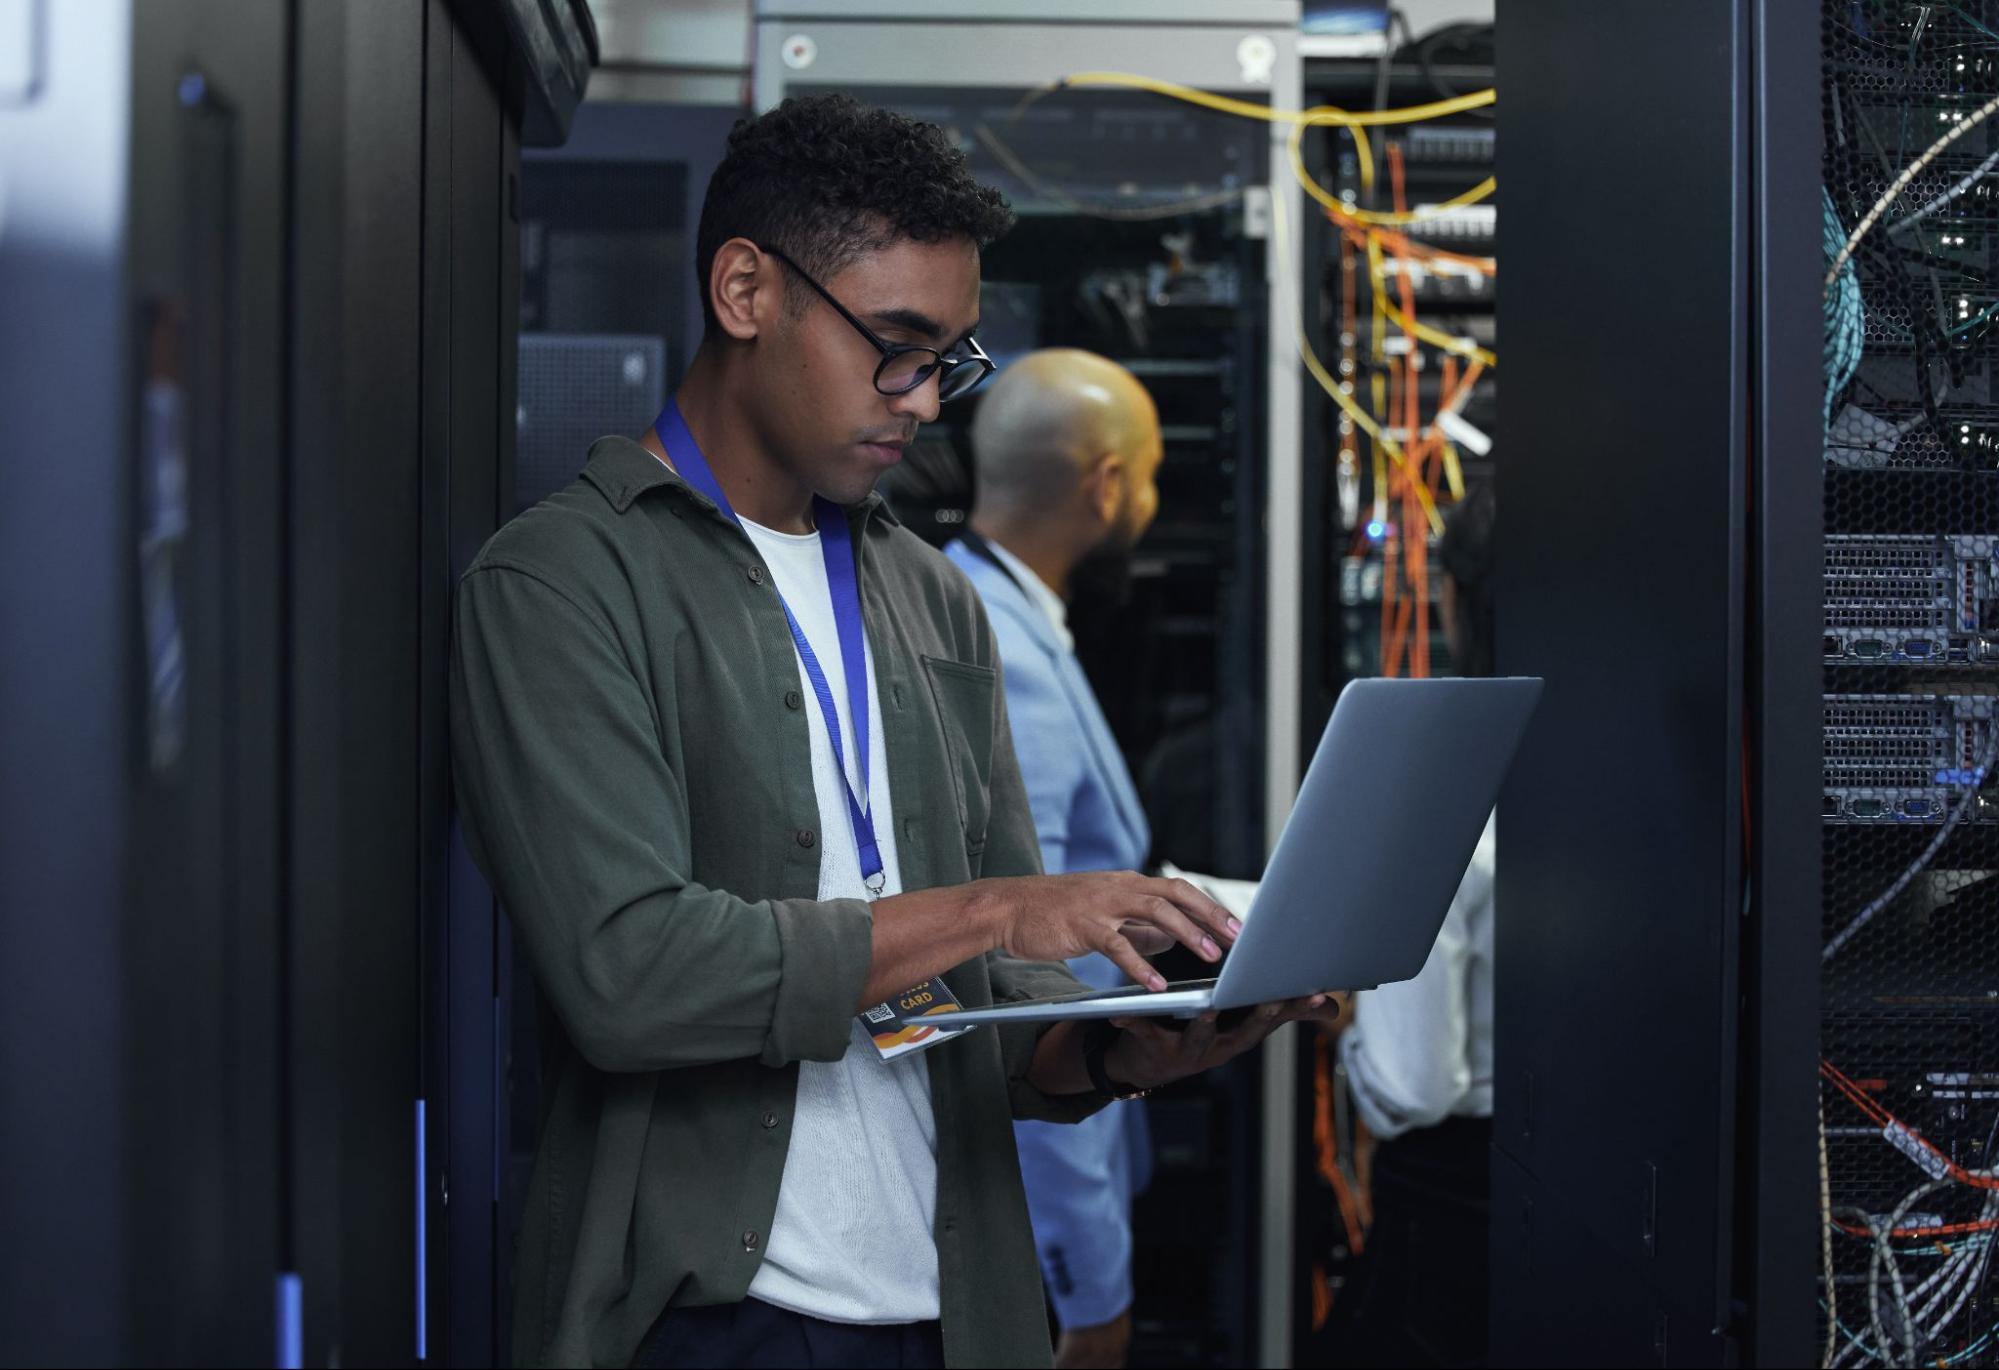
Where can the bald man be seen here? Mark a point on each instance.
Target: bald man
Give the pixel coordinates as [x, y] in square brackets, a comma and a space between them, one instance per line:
[1066, 447]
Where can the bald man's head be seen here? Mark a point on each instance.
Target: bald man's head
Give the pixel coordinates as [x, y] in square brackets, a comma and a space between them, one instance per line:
[1062, 432]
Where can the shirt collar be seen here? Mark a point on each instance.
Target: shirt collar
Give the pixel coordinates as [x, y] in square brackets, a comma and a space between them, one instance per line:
[1045, 599]
[623, 470]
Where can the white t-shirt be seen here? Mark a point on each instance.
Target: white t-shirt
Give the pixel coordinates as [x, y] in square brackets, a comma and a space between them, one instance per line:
[1420, 1051]
[853, 1237]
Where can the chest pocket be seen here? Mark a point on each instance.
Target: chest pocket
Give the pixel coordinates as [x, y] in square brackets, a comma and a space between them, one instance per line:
[964, 697]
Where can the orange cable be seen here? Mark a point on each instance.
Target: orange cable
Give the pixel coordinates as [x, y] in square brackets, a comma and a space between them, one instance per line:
[1327, 1138]
[1415, 551]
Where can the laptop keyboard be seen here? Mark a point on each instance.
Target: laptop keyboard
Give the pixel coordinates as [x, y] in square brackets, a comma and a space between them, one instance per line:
[1121, 992]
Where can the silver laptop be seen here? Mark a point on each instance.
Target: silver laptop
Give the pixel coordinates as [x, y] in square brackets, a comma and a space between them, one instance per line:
[1367, 865]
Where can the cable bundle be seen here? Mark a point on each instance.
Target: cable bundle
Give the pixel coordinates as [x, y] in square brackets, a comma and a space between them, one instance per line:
[1915, 1319]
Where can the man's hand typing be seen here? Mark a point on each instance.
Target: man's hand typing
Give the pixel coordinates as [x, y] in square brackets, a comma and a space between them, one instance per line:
[1124, 915]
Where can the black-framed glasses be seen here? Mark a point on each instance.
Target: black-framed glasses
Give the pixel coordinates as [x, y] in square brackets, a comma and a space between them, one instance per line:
[905, 366]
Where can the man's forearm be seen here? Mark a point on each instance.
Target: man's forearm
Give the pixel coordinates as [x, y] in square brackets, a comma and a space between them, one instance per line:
[1058, 1067]
[926, 933]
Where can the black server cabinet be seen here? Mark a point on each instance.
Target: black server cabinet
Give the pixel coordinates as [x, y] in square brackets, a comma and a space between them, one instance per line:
[1658, 555]
[1909, 971]
[257, 359]
[404, 269]
[142, 150]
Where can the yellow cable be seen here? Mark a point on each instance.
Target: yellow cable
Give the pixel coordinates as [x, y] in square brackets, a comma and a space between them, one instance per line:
[1383, 443]
[1376, 218]
[1294, 149]
[1377, 385]
[1300, 120]
[1377, 282]
[1436, 337]
[1378, 391]
[1303, 118]
[1454, 471]
[1377, 276]
[1324, 114]
[1362, 153]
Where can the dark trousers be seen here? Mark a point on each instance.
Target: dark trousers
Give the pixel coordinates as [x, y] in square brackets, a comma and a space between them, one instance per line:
[757, 1335]
[1418, 1295]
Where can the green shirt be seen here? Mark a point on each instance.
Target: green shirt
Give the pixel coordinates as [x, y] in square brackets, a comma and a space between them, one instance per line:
[634, 774]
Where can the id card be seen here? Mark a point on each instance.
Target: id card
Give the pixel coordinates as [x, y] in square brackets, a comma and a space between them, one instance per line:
[890, 1026]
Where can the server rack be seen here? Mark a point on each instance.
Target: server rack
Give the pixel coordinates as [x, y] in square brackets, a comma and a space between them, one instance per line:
[1351, 518]
[1911, 679]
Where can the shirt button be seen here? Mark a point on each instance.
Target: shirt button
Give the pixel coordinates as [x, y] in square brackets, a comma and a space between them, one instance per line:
[749, 1241]
[792, 699]
[805, 837]
[756, 575]
[770, 1120]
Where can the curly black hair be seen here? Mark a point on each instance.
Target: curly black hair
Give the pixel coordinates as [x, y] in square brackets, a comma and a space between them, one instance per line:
[826, 179]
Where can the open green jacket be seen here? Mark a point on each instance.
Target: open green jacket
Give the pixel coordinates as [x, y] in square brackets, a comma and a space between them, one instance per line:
[634, 777]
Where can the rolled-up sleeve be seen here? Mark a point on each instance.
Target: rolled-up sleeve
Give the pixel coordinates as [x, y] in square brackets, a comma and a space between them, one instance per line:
[574, 813]
[1014, 980]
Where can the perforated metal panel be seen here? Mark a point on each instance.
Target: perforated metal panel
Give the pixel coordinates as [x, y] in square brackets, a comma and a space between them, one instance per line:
[574, 389]
[1910, 975]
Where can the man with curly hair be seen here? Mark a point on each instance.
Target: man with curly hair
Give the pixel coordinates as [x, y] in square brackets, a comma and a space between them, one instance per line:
[730, 746]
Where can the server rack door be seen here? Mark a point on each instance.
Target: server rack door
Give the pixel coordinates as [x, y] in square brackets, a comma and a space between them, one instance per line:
[472, 284]
[203, 984]
[140, 256]
[1620, 579]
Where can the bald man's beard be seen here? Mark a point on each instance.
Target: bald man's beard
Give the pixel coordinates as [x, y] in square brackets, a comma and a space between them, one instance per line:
[1102, 579]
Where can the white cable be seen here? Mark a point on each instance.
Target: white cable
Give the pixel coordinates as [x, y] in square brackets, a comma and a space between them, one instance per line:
[1934, 205]
[1885, 1255]
[1958, 1274]
[1971, 1262]
[1941, 1284]
[1962, 1286]
[1962, 127]
[1878, 1235]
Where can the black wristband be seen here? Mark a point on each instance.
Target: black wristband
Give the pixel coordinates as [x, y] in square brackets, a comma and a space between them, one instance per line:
[1098, 1035]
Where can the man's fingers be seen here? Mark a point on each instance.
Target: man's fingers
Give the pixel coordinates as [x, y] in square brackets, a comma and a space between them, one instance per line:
[1170, 918]
[1196, 904]
[1149, 940]
[1150, 1030]
[1291, 1010]
[1125, 957]
[1263, 1020]
[1199, 1036]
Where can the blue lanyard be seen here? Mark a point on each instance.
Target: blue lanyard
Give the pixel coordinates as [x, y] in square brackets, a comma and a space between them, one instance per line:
[836, 545]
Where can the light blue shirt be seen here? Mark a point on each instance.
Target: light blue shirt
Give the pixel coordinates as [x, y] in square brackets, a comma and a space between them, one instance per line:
[1080, 1177]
